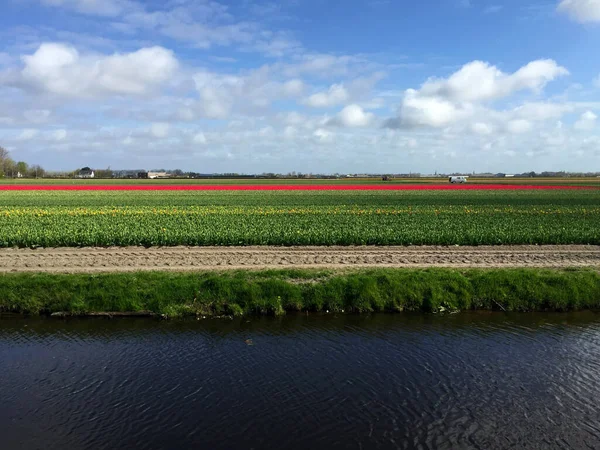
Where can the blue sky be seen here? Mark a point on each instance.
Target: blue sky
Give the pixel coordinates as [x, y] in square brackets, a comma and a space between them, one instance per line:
[302, 85]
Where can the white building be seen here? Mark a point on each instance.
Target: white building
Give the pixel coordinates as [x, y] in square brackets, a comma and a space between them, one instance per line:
[154, 175]
[86, 172]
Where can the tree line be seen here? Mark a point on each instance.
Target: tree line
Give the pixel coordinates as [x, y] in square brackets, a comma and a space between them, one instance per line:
[11, 168]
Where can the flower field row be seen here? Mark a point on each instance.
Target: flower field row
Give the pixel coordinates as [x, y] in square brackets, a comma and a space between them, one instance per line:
[285, 187]
[299, 218]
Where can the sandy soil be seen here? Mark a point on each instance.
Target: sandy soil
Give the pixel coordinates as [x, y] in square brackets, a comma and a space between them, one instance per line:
[127, 259]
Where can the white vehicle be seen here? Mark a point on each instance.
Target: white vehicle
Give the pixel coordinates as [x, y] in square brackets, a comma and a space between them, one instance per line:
[460, 179]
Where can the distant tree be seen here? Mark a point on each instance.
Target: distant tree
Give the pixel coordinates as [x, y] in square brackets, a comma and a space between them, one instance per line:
[36, 171]
[104, 173]
[22, 168]
[4, 157]
[9, 167]
[178, 172]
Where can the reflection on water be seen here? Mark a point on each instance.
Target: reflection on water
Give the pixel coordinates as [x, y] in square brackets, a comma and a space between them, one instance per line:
[366, 382]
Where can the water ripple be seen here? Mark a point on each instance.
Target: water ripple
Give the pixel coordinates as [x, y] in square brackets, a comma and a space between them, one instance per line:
[480, 381]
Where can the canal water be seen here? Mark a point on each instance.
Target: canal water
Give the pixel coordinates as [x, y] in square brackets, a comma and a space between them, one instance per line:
[482, 381]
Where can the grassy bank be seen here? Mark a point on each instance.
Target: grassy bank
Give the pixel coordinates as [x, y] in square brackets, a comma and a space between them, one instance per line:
[275, 292]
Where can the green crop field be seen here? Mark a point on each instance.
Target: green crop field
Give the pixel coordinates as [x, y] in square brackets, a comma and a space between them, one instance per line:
[101, 218]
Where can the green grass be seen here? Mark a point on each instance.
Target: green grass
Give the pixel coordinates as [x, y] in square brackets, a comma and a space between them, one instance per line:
[97, 218]
[277, 292]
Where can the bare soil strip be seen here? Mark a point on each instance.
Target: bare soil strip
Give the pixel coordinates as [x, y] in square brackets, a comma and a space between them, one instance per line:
[131, 259]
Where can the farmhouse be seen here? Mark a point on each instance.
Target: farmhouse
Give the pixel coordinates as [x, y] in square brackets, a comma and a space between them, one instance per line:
[158, 175]
[86, 172]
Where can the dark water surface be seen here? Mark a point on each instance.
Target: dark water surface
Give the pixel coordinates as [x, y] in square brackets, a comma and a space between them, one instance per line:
[354, 382]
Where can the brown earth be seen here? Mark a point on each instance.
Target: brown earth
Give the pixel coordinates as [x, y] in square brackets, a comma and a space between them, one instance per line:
[128, 259]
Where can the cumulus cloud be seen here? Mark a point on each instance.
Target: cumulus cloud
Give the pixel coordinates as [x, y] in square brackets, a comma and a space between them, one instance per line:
[335, 95]
[419, 110]
[587, 121]
[352, 116]
[518, 126]
[581, 10]
[60, 69]
[217, 93]
[480, 81]
[220, 94]
[441, 102]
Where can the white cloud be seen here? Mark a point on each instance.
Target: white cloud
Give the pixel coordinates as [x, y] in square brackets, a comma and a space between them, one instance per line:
[205, 24]
[542, 110]
[406, 142]
[479, 81]
[323, 135]
[27, 134]
[199, 138]
[518, 126]
[216, 93]
[293, 88]
[441, 102]
[581, 10]
[290, 132]
[186, 114]
[587, 121]
[201, 23]
[336, 94]
[59, 135]
[293, 118]
[95, 7]
[60, 69]
[265, 131]
[352, 116]
[222, 94]
[160, 130]
[596, 81]
[417, 110]
[481, 128]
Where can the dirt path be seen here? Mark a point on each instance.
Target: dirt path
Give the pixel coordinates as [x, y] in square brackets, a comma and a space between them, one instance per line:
[90, 260]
